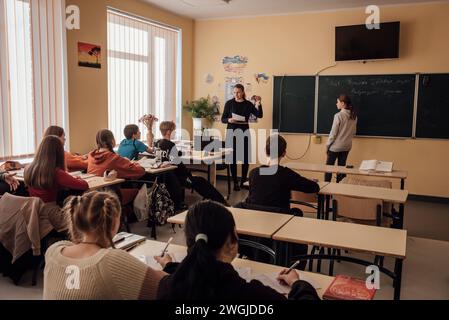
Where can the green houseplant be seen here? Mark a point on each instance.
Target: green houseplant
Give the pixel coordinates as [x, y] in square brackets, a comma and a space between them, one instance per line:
[204, 111]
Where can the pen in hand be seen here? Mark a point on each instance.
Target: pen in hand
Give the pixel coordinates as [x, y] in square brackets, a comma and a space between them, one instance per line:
[166, 247]
[293, 266]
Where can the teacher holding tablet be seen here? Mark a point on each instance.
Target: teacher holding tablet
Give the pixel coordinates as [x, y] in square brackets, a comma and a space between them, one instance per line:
[236, 114]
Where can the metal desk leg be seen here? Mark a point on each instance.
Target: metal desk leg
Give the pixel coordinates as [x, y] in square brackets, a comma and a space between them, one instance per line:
[398, 281]
[320, 206]
[328, 200]
[401, 216]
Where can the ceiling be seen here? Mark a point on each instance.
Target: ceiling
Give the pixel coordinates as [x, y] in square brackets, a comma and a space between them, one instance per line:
[213, 9]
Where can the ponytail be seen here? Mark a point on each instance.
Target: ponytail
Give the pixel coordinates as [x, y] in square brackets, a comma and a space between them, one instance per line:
[208, 227]
[349, 106]
[105, 140]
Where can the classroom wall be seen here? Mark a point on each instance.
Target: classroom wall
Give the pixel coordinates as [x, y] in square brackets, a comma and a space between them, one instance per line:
[88, 88]
[303, 44]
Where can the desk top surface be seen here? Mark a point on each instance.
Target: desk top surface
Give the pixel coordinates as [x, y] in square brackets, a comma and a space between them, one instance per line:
[365, 192]
[316, 167]
[347, 236]
[250, 222]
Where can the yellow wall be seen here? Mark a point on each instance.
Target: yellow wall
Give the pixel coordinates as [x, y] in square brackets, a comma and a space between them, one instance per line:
[303, 44]
[88, 88]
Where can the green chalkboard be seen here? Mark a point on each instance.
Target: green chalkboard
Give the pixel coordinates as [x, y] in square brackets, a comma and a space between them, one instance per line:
[384, 103]
[433, 106]
[294, 104]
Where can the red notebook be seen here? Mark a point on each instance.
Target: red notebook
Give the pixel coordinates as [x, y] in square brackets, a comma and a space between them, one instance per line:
[347, 288]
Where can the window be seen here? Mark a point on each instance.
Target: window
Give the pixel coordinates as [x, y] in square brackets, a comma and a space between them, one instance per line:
[17, 119]
[143, 71]
[32, 73]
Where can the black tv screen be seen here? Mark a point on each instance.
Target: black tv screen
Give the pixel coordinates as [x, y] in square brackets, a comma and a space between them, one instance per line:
[360, 43]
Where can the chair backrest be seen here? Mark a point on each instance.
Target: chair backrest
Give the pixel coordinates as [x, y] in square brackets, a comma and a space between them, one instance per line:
[259, 248]
[360, 209]
[306, 202]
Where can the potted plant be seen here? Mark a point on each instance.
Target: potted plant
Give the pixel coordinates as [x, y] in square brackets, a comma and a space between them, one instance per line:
[204, 111]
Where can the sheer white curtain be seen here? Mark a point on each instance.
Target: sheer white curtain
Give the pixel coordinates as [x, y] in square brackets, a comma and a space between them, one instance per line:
[143, 67]
[32, 69]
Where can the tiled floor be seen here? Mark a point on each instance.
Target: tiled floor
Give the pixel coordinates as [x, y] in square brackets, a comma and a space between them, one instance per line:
[425, 271]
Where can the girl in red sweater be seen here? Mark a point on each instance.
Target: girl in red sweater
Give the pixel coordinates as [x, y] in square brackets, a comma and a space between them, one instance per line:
[46, 175]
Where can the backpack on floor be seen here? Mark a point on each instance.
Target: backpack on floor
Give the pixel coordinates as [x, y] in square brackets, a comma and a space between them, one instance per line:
[160, 205]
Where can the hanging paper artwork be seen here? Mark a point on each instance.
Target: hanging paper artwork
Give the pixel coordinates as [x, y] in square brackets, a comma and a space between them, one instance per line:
[89, 55]
[208, 78]
[235, 64]
[261, 78]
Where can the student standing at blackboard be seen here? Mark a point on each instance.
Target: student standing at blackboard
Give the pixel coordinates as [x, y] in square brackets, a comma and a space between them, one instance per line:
[239, 106]
[340, 139]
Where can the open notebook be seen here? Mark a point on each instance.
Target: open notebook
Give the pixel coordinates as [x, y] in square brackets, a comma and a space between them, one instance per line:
[376, 165]
[127, 241]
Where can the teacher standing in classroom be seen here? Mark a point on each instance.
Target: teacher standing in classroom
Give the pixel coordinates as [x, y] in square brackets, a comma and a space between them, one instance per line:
[343, 130]
[241, 108]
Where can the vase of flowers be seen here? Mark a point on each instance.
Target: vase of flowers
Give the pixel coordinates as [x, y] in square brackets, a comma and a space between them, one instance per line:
[148, 120]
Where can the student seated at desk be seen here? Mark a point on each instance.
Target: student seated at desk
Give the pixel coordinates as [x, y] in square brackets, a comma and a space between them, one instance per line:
[132, 146]
[273, 187]
[271, 191]
[105, 159]
[46, 175]
[207, 274]
[73, 162]
[182, 176]
[104, 273]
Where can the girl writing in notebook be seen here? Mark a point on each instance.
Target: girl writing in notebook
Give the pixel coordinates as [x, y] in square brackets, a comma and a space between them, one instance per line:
[343, 130]
[206, 273]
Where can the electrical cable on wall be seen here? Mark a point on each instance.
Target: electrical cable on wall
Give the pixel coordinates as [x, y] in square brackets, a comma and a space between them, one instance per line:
[324, 69]
[305, 152]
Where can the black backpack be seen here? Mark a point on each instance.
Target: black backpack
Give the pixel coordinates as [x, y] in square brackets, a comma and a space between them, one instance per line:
[160, 205]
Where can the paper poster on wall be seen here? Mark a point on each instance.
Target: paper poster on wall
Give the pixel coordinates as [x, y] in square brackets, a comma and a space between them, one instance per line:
[235, 64]
[261, 78]
[89, 55]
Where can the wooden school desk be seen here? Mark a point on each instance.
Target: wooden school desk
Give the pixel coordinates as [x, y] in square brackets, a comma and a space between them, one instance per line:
[313, 167]
[349, 236]
[151, 248]
[249, 222]
[395, 196]
[209, 159]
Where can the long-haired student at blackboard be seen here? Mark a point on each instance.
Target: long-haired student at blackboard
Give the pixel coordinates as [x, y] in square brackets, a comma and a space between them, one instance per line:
[343, 130]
